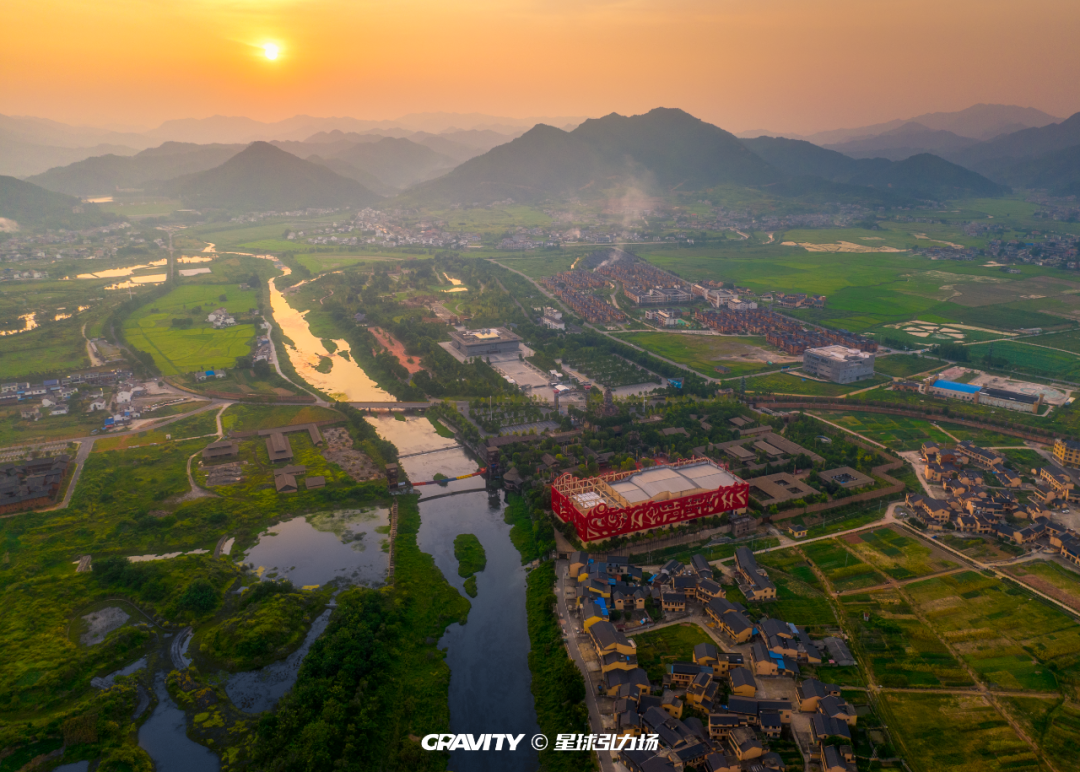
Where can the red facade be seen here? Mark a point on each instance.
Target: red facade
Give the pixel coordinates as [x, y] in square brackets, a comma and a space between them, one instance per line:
[602, 522]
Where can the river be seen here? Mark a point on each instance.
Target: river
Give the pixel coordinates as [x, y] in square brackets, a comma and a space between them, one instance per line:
[489, 655]
[345, 382]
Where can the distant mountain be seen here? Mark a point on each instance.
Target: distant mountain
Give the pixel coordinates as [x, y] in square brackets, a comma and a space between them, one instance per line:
[108, 173]
[265, 178]
[397, 163]
[662, 150]
[347, 170]
[997, 155]
[31, 206]
[22, 159]
[42, 131]
[981, 121]
[925, 176]
[903, 142]
[921, 176]
[1057, 172]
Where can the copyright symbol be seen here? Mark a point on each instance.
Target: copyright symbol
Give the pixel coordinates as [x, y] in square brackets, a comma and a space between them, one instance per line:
[539, 742]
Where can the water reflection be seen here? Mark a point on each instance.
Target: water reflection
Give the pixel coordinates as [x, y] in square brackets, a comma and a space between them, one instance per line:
[136, 281]
[258, 690]
[320, 548]
[164, 737]
[29, 323]
[346, 381]
[113, 273]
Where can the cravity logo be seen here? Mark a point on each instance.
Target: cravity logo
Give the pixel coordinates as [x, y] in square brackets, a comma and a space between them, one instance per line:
[471, 742]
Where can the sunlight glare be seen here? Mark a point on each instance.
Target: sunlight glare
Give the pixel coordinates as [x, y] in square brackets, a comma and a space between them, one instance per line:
[271, 51]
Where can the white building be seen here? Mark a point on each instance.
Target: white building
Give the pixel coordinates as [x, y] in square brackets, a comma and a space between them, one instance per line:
[838, 364]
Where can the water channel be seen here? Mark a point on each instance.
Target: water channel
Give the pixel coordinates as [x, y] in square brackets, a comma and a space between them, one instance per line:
[488, 656]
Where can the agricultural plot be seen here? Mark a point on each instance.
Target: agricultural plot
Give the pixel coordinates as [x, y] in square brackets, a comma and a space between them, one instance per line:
[955, 733]
[1053, 724]
[659, 648]
[899, 649]
[897, 432]
[250, 418]
[905, 365]
[178, 350]
[1026, 358]
[1068, 341]
[793, 382]
[321, 263]
[1051, 579]
[797, 601]
[898, 555]
[981, 548]
[540, 267]
[608, 369]
[842, 568]
[1011, 638]
[712, 355]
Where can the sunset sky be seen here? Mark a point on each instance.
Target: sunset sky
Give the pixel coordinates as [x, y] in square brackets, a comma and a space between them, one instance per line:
[786, 65]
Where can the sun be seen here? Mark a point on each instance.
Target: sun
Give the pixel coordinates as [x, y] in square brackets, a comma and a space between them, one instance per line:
[271, 51]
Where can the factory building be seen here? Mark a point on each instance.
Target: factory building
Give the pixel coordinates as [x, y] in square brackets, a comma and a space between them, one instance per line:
[838, 364]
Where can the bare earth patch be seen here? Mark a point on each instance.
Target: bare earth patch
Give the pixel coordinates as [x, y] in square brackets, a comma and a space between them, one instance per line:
[101, 623]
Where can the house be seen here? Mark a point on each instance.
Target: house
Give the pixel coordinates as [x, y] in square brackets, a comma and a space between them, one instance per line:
[578, 562]
[593, 612]
[285, 483]
[672, 704]
[753, 580]
[837, 759]
[681, 674]
[706, 654]
[216, 451]
[742, 682]
[315, 482]
[278, 447]
[608, 640]
[718, 762]
[797, 531]
[673, 601]
[810, 692]
[837, 708]
[59, 410]
[824, 729]
[730, 618]
[1067, 452]
[744, 743]
[703, 691]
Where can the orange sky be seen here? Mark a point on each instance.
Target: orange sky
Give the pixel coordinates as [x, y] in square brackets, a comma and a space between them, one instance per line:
[791, 65]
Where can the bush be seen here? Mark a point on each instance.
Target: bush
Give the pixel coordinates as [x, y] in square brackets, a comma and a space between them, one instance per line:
[200, 596]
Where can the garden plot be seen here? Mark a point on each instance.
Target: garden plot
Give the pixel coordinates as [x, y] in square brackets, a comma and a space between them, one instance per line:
[607, 369]
[955, 733]
[842, 568]
[1054, 725]
[898, 555]
[1051, 579]
[1011, 638]
[899, 649]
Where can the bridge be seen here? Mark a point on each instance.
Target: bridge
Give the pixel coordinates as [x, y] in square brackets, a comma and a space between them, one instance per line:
[392, 405]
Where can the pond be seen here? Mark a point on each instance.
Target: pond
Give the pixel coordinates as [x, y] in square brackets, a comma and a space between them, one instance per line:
[314, 550]
[164, 737]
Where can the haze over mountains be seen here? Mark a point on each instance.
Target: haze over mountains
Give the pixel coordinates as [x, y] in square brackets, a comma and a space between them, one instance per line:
[659, 152]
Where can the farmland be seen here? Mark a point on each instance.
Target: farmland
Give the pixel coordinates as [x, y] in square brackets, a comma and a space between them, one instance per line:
[1053, 724]
[799, 599]
[842, 568]
[1012, 639]
[1025, 358]
[958, 733]
[199, 346]
[607, 369]
[901, 433]
[793, 382]
[905, 365]
[898, 555]
[1051, 579]
[704, 353]
[899, 649]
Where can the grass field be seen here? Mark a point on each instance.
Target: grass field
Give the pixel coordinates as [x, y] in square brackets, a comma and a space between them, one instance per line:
[902, 433]
[843, 569]
[55, 348]
[1011, 638]
[793, 382]
[955, 733]
[900, 650]
[1026, 358]
[1069, 341]
[196, 426]
[199, 347]
[249, 418]
[659, 648]
[905, 365]
[703, 353]
[322, 263]
[799, 599]
[898, 555]
[540, 267]
[1052, 579]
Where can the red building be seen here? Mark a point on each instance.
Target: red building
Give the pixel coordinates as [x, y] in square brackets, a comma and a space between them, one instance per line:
[626, 502]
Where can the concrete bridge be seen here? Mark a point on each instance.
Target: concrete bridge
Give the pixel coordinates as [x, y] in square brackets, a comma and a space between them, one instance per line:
[391, 406]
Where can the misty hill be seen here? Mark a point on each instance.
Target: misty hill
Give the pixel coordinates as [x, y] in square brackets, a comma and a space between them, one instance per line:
[903, 142]
[920, 176]
[1057, 172]
[22, 159]
[998, 154]
[981, 121]
[397, 163]
[30, 205]
[661, 150]
[263, 177]
[347, 170]
[107, 173]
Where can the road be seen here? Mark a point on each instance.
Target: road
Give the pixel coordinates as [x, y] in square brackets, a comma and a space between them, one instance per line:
[596, 723]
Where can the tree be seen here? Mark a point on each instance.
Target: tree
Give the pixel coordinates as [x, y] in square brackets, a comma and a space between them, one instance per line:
[200, 596]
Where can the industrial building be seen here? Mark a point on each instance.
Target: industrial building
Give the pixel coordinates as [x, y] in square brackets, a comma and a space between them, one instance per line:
[838, 364]
[983, 395]
[494, 340]
[640, 500]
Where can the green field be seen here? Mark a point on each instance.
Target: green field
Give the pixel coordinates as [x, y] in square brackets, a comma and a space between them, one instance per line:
[322, 263]
[1039, 573]
[899, 650]
[905, 365]
[1053, 724]
[899, 555]
[843, 569]
[200, 347]
[250, 418]
[1012, 639]
[955, 733]
[1026, 358]
[901, 433]
[659, 648]
[703, 353]
[799, 598]
[793, 382]
[1069, 341]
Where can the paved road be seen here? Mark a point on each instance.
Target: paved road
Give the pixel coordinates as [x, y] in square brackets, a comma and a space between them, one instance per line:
[562, 568]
